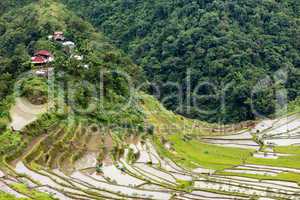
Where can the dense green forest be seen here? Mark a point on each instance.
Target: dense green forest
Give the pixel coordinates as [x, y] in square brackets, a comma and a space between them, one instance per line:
[7, 5]
[229, 44]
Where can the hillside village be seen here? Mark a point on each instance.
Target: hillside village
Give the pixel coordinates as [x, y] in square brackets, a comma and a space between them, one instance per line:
[43, 58]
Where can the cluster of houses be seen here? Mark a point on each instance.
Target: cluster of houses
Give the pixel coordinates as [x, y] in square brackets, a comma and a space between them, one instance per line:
[43, 57]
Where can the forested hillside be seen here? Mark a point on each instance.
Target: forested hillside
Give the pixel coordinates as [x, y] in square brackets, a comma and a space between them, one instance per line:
[25, 30]
[7, 5]
[230, 44]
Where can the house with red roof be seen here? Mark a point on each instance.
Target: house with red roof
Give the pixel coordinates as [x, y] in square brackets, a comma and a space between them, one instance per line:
[42, 57]
[38, 60]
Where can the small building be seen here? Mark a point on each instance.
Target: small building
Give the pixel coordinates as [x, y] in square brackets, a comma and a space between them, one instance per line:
[69, 44]
[58, 36]
[38, 60]
[44, 72]
[77, 57]
[42, 57]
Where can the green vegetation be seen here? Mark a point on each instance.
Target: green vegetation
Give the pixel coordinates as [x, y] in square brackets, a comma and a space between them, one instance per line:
[292, 177]
[43, 124]
[284, 161]
[10, 143]
[6, 5]
[292, 161]
[4, 196]
[288, 161]
[182, 133]
[194, 154]
[294, 106]
[169, 122]
[184, 185]
[25, 31]
[220, 42]
[5, 105]
[35, 90]
[190, 152]
[32, 194]
[30, 25]
[14, 143]
[22, 189]
[230, 42]
[131, 156]
[295, 150]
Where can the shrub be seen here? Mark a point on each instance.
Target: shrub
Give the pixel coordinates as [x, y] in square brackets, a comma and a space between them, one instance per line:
[35, 90]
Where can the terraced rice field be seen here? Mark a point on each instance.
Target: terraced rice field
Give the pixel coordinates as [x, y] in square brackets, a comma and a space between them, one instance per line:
[242, 139]
[149, 176]
[284, 131]
[76, 162]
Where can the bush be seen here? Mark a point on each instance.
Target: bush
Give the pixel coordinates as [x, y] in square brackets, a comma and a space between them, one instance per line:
[150, 130]
[35, 90]
[10, 142]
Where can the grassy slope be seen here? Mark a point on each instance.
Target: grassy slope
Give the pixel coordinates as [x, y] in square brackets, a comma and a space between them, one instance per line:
[194, 153]
[191, 153]
[4, 196]
[294, 106]
[35, 195]
[207, 155]
[291, 161]
[31, 194]
[292, 177]
[167, 122]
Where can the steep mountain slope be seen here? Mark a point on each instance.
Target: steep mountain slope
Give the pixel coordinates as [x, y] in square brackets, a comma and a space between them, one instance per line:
[93, 89]
[26, 31]
[7, 5]
[228, 44]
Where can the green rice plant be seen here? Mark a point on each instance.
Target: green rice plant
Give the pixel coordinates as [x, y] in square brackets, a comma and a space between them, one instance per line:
[31, 193]
[184, 185]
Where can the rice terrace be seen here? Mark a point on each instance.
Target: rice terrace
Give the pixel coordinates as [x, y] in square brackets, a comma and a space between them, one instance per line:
[149, 100]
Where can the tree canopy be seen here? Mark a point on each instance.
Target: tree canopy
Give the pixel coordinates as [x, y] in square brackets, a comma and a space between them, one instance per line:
[234, 43]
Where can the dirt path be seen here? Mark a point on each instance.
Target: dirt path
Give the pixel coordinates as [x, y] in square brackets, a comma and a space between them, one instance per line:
[23, 113]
